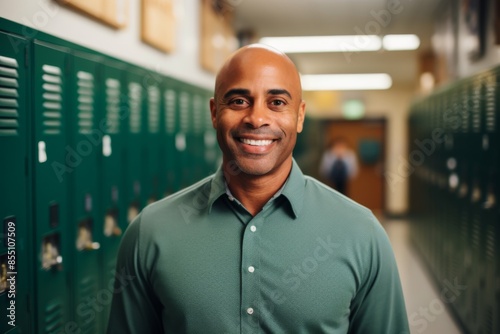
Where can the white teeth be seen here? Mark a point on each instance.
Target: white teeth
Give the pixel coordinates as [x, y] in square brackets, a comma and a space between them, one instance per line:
[256, 142]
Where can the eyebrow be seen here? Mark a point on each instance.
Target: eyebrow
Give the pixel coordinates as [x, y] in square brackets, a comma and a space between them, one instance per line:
[236, 91]
[243, 91]
[279, 92]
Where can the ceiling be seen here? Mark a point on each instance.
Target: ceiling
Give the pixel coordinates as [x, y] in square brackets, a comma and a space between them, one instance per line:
[344, 17]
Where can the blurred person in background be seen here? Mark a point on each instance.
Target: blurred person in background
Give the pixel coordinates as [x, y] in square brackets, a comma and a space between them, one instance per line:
[339, 165]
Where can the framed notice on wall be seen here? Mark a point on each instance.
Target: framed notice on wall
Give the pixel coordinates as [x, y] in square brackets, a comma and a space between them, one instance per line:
[158, 24]
[111, 12]
[217, 35]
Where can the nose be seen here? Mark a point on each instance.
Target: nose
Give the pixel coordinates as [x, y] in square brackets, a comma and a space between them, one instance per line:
[257, 116]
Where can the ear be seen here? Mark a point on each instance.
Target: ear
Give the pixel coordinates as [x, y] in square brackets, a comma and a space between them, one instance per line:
[213, 112]
[301, 115]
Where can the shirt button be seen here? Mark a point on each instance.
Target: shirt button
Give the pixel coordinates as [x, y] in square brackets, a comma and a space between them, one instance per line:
[250, 310]
[251, 269]
[253, 228]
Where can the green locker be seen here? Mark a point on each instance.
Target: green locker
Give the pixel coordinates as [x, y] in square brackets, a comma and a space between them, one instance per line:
[135, 158]
[198, 138]
[183, 138]
[210, 137]
[84, 138]
[52, 163]
[152, 149]
[113, 210]
[170, 118]
[15, 208]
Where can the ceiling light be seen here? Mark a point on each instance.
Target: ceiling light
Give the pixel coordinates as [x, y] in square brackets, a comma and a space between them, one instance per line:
[371, 81]
[400, 42]
[303, 44]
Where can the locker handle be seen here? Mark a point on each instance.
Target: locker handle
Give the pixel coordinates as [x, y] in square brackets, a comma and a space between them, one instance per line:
[92, 246]
[117, 231]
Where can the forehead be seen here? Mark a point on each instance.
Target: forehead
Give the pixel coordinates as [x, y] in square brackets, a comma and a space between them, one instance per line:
[258, 71]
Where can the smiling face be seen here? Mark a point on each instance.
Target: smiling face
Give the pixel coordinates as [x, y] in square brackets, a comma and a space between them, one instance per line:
[257, 110]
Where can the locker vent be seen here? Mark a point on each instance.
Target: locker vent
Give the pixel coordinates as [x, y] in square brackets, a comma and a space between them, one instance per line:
[491, 87]
[198, 116]
[476, 105]
[85, 102]
[170, 111]
[490, 242]
[208, 120]
[476, 222]
[184, 112]
[54, 315]
[9, 96]
[135, 98]
[88, 287]
[52, 99]
[113, 106]
[153, 109]
[464, 115]
[488, 321]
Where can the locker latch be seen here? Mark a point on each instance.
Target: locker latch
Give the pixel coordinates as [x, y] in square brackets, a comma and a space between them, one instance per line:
[51, 255]
[3, 276]
[111, 227]
[84, 239]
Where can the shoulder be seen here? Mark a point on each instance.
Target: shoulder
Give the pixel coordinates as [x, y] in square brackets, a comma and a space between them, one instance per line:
[340, 212]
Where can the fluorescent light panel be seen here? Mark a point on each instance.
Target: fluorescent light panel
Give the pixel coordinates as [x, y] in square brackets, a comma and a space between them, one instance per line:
[342, 43]
[324, 43]
[400, 42]
[371, 81]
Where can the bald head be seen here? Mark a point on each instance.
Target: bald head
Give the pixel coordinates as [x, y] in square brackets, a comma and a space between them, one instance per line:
[256, 57]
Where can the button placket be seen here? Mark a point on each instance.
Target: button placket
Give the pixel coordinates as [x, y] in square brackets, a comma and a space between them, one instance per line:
[250, 276]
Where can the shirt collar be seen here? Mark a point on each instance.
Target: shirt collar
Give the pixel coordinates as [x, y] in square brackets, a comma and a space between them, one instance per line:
[293, 190]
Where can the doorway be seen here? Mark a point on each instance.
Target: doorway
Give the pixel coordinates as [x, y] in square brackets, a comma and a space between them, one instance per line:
[367, 139]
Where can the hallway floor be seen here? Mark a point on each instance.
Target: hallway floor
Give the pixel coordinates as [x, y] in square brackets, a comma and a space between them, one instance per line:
[427, 313]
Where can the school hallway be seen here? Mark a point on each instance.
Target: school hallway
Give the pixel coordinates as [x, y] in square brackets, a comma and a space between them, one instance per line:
[425, 306]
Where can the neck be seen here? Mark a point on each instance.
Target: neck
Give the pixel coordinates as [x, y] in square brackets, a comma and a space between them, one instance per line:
[254, 191]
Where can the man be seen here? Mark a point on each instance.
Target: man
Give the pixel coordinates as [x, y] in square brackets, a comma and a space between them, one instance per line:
[257, 247]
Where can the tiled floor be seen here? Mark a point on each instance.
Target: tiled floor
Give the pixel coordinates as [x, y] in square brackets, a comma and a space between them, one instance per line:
[427, 312]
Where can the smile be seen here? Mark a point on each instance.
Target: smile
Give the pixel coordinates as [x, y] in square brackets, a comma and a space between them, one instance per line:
[253, 142]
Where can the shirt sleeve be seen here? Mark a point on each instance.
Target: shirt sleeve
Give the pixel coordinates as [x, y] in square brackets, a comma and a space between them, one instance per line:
[379, 305]
[134, 308]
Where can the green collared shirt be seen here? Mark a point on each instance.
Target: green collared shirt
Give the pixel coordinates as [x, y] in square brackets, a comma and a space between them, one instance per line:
[312, 261]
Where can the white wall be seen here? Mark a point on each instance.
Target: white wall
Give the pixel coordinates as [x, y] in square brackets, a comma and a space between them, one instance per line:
[50, 17]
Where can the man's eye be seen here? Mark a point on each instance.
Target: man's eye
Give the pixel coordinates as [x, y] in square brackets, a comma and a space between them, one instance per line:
[238, 102]
[277, 102]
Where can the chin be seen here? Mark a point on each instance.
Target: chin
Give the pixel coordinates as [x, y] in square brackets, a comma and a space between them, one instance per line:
[255, 167]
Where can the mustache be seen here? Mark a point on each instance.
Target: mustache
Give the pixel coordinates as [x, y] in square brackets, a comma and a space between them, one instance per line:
[257, 132]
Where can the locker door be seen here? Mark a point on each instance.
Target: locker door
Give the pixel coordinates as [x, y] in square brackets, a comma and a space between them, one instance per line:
[490, 285]
[198, 135]
[84, 137]
[211, 154]
[52, 165]
[183, 139]
[113, 210]
[135, 157]
[170, 107]
[152, 148]
[14, 210]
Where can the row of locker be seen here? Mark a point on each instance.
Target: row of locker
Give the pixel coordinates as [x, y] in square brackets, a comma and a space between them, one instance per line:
[87, 141]
[454, 192]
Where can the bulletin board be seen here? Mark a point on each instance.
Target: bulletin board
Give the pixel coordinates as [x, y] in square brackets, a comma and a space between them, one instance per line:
[110, 12]
[158, 24]
[217, 35]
